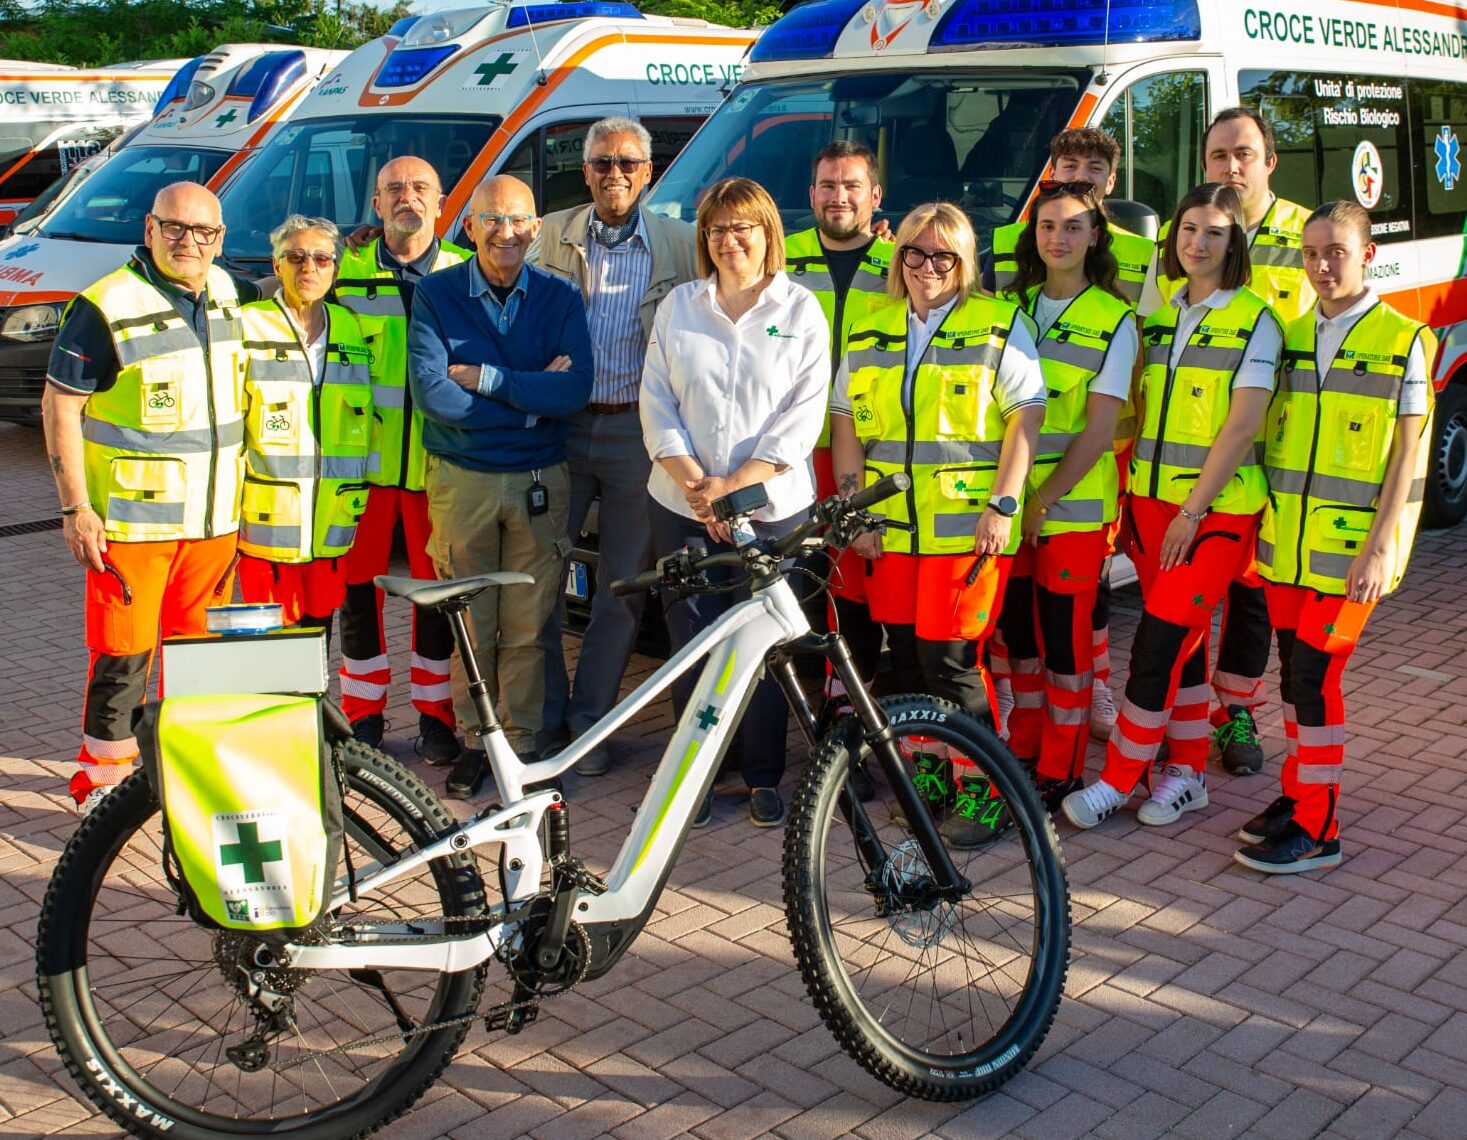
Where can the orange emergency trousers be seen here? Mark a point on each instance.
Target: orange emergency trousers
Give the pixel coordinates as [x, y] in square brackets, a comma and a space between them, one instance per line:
[1316, 635]
[846, 608]
[1117, 537]
[1167, 692]
[313, 590]
[1047, 631]
[158, 589]
[365, 672]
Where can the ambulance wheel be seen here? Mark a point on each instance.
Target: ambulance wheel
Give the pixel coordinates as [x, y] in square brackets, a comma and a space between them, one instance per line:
[1446, 475]
[153, 1016]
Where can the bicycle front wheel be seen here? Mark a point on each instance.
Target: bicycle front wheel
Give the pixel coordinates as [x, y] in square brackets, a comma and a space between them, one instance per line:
[938, 998]
[159, 1019]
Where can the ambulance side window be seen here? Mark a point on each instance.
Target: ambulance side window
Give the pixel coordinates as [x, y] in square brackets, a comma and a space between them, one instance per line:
[564, 185]
[1159, 122]
[669, 135]
[1438, 126]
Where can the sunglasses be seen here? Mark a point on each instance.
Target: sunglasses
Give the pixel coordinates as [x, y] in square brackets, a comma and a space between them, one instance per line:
[1055, 186]
[319, 257]
[174, 231]
[603, 163]
[942, 260]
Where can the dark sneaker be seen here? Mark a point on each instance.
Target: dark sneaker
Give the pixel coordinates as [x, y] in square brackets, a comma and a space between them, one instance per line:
[979, 816]
[369, 730]
[766, 809]
[932, 773]
[468, 774]
[705, 811]
[596, 762]
[1292, 851]
[1270, 823]
[437, 743]
[1052, 791]
[1237, 742]
[862, 784]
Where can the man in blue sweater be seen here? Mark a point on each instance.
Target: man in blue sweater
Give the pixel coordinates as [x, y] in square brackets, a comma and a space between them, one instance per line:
[499, 358]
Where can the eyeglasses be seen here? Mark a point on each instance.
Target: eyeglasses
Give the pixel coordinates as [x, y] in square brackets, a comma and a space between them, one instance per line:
[320, 257]
[603, 163]
[398, 189]
[740, 231]
[174, 231]
[942, 260]
[517, 222]
[1055, 186]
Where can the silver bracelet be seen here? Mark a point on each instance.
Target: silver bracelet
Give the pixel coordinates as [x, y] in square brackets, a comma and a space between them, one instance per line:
[1189, 516]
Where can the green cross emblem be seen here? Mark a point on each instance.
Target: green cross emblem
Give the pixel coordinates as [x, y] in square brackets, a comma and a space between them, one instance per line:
[707, 718]
[1329, 627]
[1065, 574]
[1198, 599]
[227, 117]
[250, 853]
[960, 485]
[489, 72]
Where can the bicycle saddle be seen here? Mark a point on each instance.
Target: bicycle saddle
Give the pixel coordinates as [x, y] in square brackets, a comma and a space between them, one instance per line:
[430, 592]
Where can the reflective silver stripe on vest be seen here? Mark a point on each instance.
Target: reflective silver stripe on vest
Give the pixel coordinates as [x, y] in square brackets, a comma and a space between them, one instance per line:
[389, 396]
[386, 304]
[1211, 357]
[1133, 289]
[1077, 511]
[338, 535]
[1158, 353]
[948, 525]
[983, 355]
[1276, 255]
[1336, 488]
[930, 454]
[1377, 385]
[1188, 455]
[816, 280]
[1265, 552]
[1328, 565]
[103, 434]
[1070, 352]
[275, 537]
[1299, 380]
[137, 348]
[1057, 441]
[144, 511]
[292, 371]
[221, 328]
[304, 466]
[869, 357]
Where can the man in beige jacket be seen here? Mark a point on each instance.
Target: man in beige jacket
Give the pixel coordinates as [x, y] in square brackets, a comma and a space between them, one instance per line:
[625, 260]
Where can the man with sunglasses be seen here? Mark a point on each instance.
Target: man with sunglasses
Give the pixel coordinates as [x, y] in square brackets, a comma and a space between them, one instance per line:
[376, 282]
[624, 261]
[499, 360]
[144, 430]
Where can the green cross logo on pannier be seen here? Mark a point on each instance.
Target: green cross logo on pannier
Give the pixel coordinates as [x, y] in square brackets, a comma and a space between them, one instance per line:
[250, 853]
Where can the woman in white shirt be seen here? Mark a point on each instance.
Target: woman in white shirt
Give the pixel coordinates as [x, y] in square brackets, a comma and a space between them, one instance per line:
[733, 393]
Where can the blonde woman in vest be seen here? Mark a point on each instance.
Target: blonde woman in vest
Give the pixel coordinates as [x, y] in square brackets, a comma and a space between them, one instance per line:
[308, 426]
[1067, 280]
[1345, 454]
[943, 384]
[1196, 490]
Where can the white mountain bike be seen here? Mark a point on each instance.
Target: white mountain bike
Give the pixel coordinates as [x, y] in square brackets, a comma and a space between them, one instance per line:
[939, 970]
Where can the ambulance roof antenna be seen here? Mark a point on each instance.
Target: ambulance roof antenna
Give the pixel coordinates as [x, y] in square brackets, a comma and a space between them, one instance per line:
[1103, 77]
[540, 78]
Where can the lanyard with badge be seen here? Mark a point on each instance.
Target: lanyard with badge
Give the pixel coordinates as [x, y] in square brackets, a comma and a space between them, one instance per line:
[537, 498]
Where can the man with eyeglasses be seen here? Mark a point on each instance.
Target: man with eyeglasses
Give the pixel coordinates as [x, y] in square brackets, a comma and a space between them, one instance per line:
[499, 360]
[624, 260]
[376, 282]
[144, 429]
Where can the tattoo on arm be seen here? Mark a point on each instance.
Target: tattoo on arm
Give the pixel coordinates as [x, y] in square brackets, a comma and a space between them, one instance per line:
[56, 465]
[848, 486]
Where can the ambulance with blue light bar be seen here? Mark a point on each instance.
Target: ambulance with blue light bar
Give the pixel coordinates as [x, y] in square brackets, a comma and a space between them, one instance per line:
[959, 99]
[505, 88]
[214, 114]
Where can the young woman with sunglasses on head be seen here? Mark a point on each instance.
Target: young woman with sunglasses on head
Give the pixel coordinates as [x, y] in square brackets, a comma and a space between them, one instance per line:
[308, 428]
[1067, 281]
[1196, 491]
[942, 384]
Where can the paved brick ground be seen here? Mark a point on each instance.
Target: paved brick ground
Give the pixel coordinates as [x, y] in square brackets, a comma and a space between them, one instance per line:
[1203, 1000]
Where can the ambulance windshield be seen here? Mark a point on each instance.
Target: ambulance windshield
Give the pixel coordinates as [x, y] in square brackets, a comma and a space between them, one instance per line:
[327, 168]
[975, 138]
[110, 205]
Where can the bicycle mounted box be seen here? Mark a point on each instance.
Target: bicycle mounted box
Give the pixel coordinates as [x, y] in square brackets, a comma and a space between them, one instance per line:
[274, 661]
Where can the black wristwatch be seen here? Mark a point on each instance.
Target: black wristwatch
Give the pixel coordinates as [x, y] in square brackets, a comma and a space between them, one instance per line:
[1006, 505]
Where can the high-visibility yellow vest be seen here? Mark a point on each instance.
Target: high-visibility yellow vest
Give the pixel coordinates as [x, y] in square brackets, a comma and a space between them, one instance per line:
[371, 291]
[1133, 255]
[946, 431]
[162, 445]
[1071, 353]
[1277, 257]
[1326, 450]
[1185, 407]
[805, 262]
[306, 444]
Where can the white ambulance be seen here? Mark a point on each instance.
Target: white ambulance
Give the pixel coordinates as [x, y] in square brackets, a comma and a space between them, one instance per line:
[215, 112]
[959, 99]
[509, 88]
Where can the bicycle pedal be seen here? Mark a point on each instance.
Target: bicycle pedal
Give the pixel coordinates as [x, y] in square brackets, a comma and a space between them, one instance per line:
[511, 1019]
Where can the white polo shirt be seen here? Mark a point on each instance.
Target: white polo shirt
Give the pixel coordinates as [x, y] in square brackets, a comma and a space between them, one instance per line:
[1261, 361]
[1330, 333]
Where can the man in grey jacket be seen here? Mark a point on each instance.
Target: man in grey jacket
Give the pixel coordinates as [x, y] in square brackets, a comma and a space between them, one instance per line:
[625, 260]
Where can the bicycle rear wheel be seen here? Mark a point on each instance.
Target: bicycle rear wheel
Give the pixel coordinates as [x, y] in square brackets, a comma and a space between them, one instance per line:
[144, 1005]
[940, 1000]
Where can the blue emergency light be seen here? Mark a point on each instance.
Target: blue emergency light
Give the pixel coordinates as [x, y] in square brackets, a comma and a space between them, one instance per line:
[406, 66]
[178, 86]
[400, 28]
[529, 14]
[266, 79]
[807, 32]
[1064, 23]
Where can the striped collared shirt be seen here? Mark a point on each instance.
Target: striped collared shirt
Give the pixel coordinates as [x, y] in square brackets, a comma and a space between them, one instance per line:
[617, 280]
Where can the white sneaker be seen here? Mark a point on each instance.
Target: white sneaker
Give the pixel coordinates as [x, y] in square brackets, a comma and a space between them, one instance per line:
[1088, 806]
[1179, 789]
[1004, 692]
[94, 797]
[1102, 711]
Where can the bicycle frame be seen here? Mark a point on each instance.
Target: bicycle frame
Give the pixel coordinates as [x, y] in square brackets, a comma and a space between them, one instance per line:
[735, 647]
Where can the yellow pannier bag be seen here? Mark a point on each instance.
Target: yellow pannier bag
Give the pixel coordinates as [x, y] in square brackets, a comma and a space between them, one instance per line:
[252, 816]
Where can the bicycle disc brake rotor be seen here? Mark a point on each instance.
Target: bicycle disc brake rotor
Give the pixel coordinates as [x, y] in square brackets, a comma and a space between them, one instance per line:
[917, 914]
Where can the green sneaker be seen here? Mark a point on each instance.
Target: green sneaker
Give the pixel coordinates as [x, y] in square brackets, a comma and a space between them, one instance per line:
[980, 815]
[1237, 742]
[932, 773]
